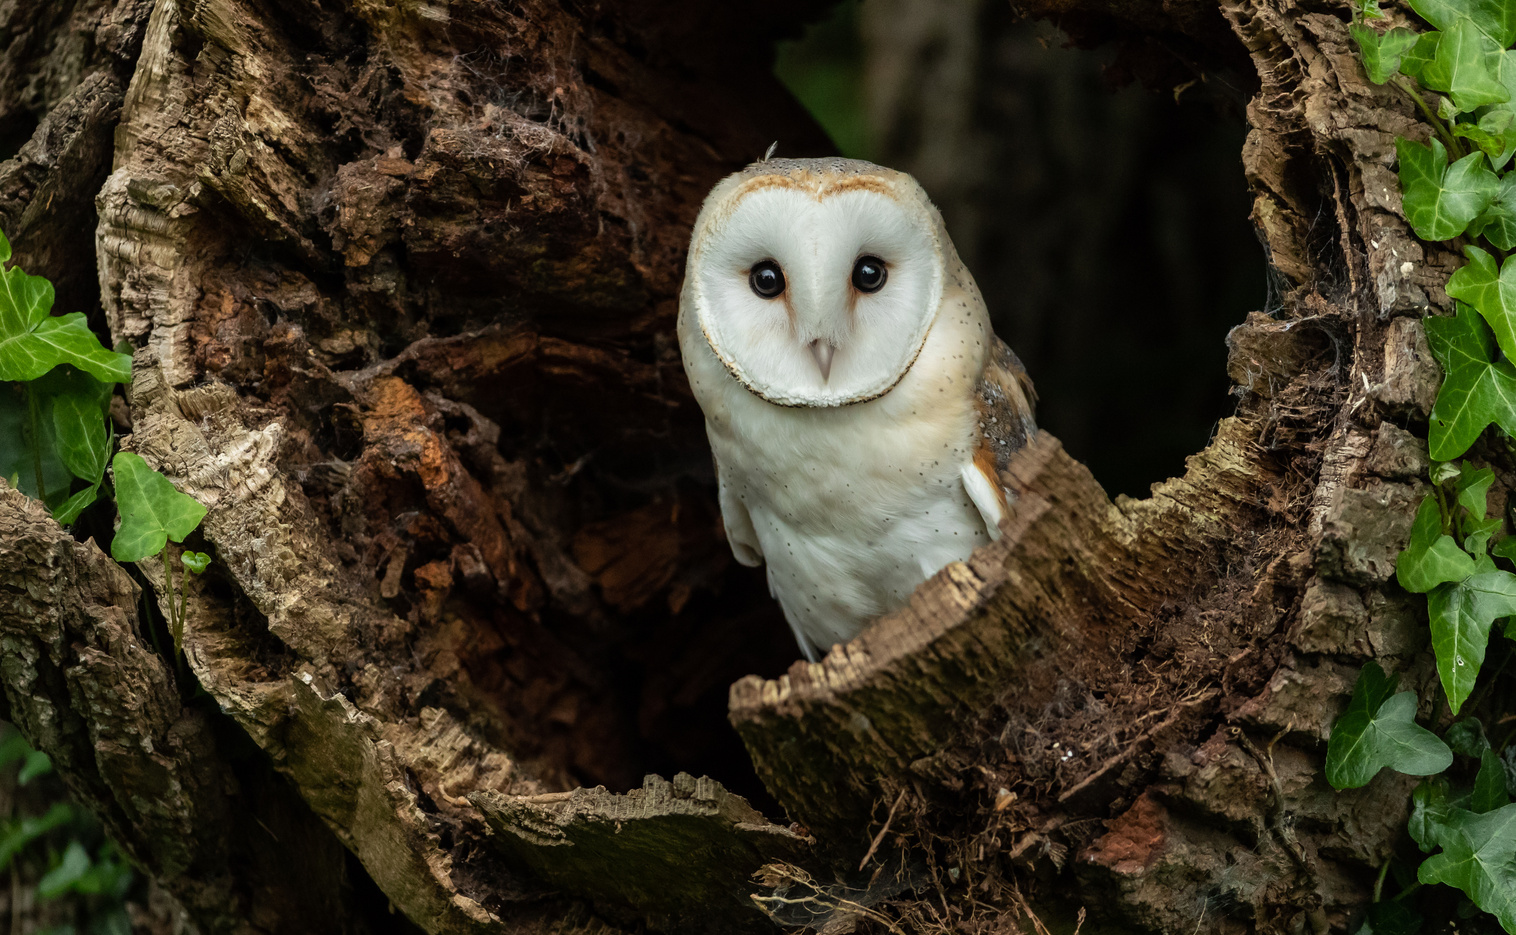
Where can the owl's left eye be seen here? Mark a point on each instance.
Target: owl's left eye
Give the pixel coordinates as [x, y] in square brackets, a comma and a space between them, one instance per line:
[869, 274]
[766, 280]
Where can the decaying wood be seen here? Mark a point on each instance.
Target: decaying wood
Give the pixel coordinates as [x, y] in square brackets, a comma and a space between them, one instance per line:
[694, 845]
[400, 283]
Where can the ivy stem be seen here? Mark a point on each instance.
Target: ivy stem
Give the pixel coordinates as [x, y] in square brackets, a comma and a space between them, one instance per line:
[1384, 871]
[1448, 139]
[34, 411]
[1442, 508]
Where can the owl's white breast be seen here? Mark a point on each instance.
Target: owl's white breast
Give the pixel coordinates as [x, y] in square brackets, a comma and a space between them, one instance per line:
[853, 506]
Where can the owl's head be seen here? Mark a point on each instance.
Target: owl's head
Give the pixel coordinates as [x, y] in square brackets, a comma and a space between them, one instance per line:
[815, 281]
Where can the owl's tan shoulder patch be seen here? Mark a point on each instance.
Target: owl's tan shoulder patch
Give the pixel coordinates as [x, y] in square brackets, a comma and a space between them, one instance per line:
[1003, 401]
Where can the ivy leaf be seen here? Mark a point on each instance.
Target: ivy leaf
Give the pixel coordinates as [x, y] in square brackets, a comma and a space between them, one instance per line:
[1495, 18]
[57, 881]
[32, 341]
[1472, 492]
[1478, 857]
[69, 510]
[1421, 54]
[36, 764]
[1382, 52]
[1440, 200]
[1462, 614]
[1432, 557]
[1477, 535]
[1445, 471]
[1370, 9]
[1506, 548]
[21, 451]
[152, 511]
[1489, 785]
[1495, 133]
[1467, 737]
[79, 404]
[1475, 390]
[30, 347]
[196, 562]
[1379, 729]
[1431, 804]
[1490, 288]
[1466, 66]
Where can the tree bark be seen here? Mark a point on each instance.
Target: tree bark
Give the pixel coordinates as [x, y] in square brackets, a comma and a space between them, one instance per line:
[400, 282]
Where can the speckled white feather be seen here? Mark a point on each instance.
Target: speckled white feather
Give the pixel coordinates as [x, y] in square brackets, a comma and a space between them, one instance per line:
[854, 486]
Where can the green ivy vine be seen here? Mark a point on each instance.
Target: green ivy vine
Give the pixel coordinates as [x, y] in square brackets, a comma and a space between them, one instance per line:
[1461, 184]
[56, 382]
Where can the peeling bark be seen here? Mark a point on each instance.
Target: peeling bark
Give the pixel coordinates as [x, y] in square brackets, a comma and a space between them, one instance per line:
[400, 281]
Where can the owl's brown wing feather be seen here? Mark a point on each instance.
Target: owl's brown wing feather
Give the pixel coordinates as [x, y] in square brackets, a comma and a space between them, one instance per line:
[1003, 401]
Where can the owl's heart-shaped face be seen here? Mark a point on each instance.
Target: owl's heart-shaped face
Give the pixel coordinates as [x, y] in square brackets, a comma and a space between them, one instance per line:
[816, 287]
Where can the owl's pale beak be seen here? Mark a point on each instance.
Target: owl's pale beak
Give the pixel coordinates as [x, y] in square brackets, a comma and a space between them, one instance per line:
[822, 350]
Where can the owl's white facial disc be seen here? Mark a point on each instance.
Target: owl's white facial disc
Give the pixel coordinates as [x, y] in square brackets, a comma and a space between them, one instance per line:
[821, 341]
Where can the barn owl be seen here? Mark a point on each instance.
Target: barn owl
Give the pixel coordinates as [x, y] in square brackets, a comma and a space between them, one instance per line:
[859, 407]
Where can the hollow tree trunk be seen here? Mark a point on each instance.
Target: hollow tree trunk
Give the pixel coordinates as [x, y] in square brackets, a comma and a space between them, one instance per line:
[401, 278]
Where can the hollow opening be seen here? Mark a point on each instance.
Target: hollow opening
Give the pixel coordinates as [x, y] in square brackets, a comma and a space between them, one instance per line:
[1108, 230]
[569, 570]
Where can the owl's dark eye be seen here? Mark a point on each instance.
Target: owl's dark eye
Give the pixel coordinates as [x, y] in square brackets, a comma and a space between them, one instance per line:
[766, 279]
[869, 274]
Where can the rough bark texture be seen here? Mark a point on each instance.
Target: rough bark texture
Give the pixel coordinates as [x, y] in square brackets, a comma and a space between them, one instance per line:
[400, 282]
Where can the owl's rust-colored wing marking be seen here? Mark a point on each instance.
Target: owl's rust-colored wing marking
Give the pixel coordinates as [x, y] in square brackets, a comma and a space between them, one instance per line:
[1003, 401]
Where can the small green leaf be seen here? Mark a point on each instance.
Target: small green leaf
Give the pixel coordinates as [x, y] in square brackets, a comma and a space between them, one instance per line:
[1467, 67]
[1489, 785]
[1506, 548]
[1378, 731]
[69, 510]
[1382, 53]
[1431, 803]
[1421, 54]
[1494, 18]
[19, 834]
[59, 880]
[1477, 533]
[19, 454]
[79, 404]
[1478, 857]
[196, 562]
[1369, 9]
[1444, 471]
[1491, 289]
[37, 764]
[1431, 558]
[152, 511]
[1440, 200]
[1473, 487]
[1475, 389]
[1495, 133]
[1462, 614]
[1467, 737]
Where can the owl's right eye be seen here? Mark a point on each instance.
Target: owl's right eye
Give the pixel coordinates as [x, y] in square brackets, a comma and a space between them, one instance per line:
[766, 280]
